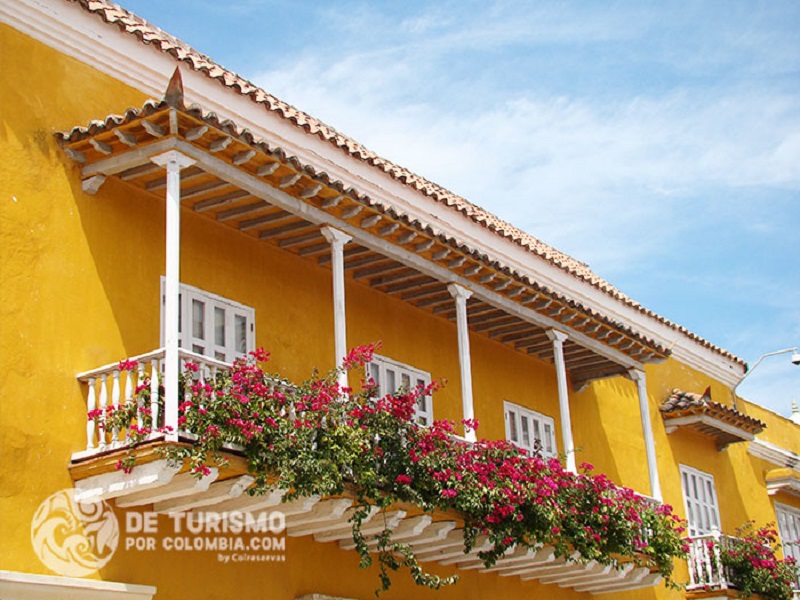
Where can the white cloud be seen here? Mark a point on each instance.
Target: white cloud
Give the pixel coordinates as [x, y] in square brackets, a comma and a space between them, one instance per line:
[620, 178]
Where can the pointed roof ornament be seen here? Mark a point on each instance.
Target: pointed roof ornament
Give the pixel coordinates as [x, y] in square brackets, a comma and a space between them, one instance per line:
[795, 413]
[174, 94]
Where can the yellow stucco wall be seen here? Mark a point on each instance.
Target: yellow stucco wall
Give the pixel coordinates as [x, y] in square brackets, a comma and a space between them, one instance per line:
[80, 288]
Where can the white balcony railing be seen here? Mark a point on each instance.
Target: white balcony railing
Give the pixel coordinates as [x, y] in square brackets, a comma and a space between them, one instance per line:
[705, 563]
[113, 385]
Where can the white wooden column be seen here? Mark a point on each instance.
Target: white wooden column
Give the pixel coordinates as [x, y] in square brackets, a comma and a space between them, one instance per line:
[647, 430]
[461, 296]
[558, 338]
[337, 239]
[173, 161]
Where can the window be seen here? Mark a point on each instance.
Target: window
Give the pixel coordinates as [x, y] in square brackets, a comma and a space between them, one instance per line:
[212, 325]
[390, 376]
[789, 529]
[700, 501]
[529, 430]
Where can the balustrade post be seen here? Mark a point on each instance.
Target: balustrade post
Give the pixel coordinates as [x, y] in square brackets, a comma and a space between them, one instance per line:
[103, 404]
[115, 393]
[717, 537]
[91, 404]
[692, 564]
[154, 385]
[139, 401]
[128, 395]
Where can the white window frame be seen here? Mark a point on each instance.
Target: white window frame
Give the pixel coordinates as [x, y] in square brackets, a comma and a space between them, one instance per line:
[526, 427]
[384, 370]
[207, 345]
[788, 518]
[699, 501]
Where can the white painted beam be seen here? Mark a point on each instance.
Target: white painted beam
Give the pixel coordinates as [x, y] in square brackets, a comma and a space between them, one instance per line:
[183, 484]
[217, 492]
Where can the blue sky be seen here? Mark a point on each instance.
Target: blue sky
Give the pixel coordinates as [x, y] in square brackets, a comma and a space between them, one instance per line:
[657, 141]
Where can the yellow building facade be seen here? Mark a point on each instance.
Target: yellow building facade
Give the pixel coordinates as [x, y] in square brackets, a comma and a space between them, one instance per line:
[294, 238]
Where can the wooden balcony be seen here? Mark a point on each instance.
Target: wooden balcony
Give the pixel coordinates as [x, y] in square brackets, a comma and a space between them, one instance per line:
[159, 485]
[708, 578]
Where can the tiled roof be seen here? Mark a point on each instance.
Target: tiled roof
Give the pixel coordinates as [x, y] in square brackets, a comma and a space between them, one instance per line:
[682, 403]
[132, 24]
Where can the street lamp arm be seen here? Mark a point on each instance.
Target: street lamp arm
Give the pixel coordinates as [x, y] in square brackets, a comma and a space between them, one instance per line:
[762, 357]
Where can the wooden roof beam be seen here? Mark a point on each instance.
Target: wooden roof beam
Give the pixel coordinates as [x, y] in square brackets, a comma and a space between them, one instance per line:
[348, 253]
[411, 283]
[535, 335]
[488, 315]
[429, 290]
[273, 217]
[314, 249]
[505, 320]
[388, 266]
[203, 188]
[267, 234]
[404, 275]
[299, 240]
[354, 263]
[523, 326]
[223, 200]
[241, 211]
[474, 310]
[435, 300]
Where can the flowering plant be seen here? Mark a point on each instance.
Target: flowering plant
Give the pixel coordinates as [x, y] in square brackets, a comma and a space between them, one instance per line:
[752, 566]
[319, 439]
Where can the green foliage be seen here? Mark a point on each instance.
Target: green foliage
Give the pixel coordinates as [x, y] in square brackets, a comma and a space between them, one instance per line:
[318, 439]
[753, 568]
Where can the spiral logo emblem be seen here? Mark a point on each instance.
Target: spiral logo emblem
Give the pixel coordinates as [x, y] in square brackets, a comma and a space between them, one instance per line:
[71, 538]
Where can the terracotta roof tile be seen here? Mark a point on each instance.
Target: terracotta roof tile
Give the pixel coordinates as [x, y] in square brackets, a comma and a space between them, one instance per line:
[681, 403]
[149, 34]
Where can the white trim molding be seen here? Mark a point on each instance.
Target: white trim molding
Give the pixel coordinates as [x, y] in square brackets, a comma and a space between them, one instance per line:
[783, 480]
[673, 424]
[28, 586]
[775, 455]
[105, 486]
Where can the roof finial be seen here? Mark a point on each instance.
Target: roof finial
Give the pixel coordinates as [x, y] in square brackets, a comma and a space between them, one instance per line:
[795, 413]
[174, 94]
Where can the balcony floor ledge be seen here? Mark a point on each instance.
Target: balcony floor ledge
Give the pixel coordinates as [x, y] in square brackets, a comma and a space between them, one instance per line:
[169, 488]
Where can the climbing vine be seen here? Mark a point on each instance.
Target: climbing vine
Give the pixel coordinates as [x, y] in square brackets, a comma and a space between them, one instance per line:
[319, 439]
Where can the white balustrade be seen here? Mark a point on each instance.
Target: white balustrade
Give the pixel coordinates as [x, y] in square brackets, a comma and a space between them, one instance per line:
[705, 563]
[104, 392]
